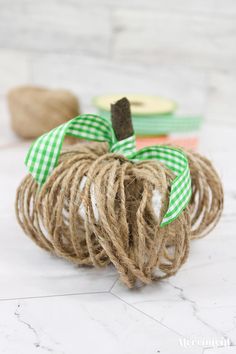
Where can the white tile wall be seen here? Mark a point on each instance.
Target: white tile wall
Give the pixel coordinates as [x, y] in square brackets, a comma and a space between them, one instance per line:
[184, 49]
[54, 26]
[175, 38]
[14, 69]
[222, 96]
[89, 76]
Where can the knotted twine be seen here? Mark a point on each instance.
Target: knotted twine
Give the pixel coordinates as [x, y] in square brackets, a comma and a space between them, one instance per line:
[110, 216]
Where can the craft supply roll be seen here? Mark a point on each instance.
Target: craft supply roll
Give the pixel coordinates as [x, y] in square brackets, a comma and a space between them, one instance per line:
[155, 120]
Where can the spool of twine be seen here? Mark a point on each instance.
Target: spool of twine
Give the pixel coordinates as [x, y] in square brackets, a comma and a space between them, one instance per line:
[109, 217]
[35, 110]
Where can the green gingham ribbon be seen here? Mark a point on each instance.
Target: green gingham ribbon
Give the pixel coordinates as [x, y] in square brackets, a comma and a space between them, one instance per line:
[44, 153]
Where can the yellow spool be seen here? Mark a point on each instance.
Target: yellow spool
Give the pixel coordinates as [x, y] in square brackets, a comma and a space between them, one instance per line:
[141, 105]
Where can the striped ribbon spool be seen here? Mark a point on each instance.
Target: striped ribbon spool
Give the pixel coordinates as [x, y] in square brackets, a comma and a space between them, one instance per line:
[151, 115]
[151, 125]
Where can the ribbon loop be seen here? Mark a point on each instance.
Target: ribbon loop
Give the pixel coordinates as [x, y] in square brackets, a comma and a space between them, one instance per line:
[177, 162]
[44, 153]
[126, 147]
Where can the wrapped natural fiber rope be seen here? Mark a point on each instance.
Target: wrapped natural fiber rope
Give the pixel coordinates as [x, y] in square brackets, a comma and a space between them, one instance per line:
[36, 110]
[99, 207]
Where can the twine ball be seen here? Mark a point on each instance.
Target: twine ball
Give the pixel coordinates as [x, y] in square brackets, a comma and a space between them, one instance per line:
[98, 208]
[35, 110]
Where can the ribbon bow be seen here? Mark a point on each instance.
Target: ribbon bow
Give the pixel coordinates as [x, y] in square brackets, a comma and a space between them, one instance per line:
[43, 156]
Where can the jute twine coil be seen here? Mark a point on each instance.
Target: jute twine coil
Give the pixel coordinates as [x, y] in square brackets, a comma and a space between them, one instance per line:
[122, 228]
[36, 110]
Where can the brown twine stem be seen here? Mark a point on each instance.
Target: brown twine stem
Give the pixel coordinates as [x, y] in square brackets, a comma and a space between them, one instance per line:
[121, 119]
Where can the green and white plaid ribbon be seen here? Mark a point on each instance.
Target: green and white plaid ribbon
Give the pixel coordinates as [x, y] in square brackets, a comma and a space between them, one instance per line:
[43, 156]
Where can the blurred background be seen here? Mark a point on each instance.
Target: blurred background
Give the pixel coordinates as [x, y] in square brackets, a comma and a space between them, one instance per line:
[184, 50]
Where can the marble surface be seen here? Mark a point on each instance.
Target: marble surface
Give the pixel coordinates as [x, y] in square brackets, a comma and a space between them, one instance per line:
[50, 306]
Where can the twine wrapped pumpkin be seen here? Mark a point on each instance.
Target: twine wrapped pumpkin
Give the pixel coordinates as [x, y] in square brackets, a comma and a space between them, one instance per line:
[97, 206]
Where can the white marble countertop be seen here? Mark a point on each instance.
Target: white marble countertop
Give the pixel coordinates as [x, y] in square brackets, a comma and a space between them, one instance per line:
[49, 306]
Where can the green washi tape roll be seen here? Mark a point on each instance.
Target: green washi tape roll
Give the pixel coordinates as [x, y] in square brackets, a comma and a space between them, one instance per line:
[151, 115]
